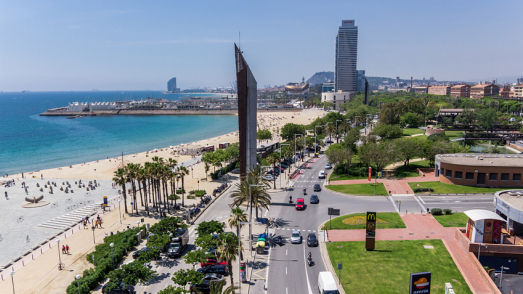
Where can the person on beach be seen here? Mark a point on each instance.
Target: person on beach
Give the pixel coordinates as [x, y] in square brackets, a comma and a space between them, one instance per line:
[85, 224]
[6, 195]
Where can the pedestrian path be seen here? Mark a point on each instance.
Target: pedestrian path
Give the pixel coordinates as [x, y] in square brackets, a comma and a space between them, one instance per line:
[419, 227]
[72, 218]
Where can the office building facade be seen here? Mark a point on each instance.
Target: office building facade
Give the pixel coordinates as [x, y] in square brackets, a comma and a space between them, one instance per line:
[360, 85]
[345, 74]
[462, 91]
[484, 90]
[171, 86]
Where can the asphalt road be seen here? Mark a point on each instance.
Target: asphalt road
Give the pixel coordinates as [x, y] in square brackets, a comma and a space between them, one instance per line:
[288, 270]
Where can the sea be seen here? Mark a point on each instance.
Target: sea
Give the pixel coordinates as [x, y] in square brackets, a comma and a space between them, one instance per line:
[30, 142]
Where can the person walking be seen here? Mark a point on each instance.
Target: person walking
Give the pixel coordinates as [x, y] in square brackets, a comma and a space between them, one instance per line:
[87, 219]
[6, 195]
[67, 249]
[63, 249]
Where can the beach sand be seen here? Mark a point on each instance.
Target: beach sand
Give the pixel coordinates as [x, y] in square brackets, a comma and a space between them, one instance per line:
[105, 168]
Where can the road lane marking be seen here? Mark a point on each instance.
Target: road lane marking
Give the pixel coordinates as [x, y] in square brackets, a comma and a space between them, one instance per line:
[285, 270]
[286, 252]
[306, 273]
[417, 200]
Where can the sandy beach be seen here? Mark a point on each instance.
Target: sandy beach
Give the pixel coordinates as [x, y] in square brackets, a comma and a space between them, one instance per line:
[103, 169]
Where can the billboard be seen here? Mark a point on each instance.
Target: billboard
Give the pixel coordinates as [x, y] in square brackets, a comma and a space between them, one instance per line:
[420, 283]
[370, 231]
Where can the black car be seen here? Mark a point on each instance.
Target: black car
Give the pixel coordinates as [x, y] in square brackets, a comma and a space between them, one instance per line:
[312, 241]
[137, 253]
[317, 188]
[215, 269]
[122, 289]
[206, 283]
[314, 199]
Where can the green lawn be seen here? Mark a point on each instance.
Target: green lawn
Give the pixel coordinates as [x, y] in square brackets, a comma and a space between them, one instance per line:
[412, 131]
[458, 220]
[410, 171]
[454, 134]
[359, 189]
[387, 269]
[356, 221]
[334, 177]
[441, 188]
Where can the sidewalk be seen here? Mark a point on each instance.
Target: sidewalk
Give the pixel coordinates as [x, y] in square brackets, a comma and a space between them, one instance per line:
[421, 227]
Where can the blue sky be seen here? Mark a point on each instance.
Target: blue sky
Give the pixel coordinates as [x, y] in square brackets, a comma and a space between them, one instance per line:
[132, 45]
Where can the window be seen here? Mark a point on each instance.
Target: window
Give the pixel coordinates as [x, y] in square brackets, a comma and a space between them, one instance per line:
[469, 176]
[441, 171]
[493, 177]
[448, 173]
[458, 175]
[505, 177]
[334, 97]
[516, 177]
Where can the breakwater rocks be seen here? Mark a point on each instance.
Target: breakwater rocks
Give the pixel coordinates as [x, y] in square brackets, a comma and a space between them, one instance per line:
[213, 111]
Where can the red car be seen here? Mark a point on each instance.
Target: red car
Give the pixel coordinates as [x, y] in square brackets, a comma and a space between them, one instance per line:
[211, 261]
[300, 205]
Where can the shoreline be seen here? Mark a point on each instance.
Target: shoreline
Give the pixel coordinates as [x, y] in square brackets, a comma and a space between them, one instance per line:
[104, 168]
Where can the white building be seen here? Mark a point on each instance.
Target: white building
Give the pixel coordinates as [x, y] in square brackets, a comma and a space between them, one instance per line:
[336, 98]
[345, 75]
[78, 106]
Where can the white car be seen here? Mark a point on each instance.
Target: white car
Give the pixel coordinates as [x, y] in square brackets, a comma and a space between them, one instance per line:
[328, 166]
[322, 174]
[296, 237]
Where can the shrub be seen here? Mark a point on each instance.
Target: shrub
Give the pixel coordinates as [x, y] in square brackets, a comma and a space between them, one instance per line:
[172, 197]
[447, 211]
[191, 197]
[197, 193]
[180, 191]
[436, 211]
[418, 190]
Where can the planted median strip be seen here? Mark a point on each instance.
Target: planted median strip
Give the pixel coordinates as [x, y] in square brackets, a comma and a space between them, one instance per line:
[359, 189]
[356, 221]
[442, 188]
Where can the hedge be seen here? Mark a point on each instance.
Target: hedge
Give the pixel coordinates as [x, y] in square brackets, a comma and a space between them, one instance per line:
[417, 190]
[224, 170]
[103, 264]
[436, 211]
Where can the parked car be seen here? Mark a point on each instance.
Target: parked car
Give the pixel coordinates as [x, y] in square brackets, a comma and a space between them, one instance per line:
[296, 237]
[215, 269]
[317, 188]
[204, 286]
[314, 199]
[212, 261]
[312, 241]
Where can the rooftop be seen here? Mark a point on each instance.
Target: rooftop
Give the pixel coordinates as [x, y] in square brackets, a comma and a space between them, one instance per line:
[482, 159]
[482, 86]
[480, 214]
[512, 197]
[460, 86]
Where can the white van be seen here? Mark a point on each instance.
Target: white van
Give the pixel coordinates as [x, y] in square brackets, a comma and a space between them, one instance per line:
[322, 174]
[327, 284]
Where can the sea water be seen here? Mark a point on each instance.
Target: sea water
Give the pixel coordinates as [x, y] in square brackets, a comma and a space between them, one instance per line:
[31, 142]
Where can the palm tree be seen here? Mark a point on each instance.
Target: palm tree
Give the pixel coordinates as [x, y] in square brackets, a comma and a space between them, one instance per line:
[259, 196]
[228, 250]
[237, 215]
[183, 171]
[273, 159]
[217, 288]
[330, 129]
[120, 179]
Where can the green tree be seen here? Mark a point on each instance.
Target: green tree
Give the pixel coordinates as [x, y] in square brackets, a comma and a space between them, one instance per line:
[228, 248]
[387, 131]
[260, 197]
[210, 227]
[487, 118]
[130, 274]
[351, 138]
[413, 120]
[340, 155]
[273, 159]
[185, 277]
[407, 149]
[173, 290]
[237, 216]
[263, 135]
[289, 130]
[182, 172]
[120, 178]
[378, 155]
[432, 149]
[195, 256]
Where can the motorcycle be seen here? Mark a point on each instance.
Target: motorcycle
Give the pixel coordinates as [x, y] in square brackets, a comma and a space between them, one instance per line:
[290, 199]
[309, 260]
[304, 192]
[278, 240]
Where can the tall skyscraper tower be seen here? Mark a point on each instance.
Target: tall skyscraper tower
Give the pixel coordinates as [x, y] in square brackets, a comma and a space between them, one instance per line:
[171, 85]
[345, 75]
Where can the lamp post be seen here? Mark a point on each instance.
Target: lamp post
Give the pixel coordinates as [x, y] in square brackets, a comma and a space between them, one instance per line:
[280, 158]
[479, 251]
[94, 240]
[250, 217]
[112, 252]
[295, 149]
[119, 211]
[304, 144]
[198, 185]
[12, 280]
[192, 172]
[501, 278]
[337, 129]
[78, 277]
[59, 257]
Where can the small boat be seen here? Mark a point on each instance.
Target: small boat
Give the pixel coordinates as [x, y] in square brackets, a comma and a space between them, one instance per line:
[70, 117]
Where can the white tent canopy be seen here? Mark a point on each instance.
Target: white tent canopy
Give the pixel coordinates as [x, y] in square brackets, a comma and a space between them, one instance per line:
[480, 214]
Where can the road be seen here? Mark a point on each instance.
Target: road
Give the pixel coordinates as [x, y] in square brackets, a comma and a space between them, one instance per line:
[288, 270]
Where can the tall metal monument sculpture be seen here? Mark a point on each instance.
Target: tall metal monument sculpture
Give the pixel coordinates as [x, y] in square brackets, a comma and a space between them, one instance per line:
[247, 96]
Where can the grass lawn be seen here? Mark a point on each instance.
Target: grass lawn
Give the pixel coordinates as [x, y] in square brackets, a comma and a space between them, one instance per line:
[356, 221]
[387, 269]
[334, 177]
[412, 131]
[454, 134]
[441, 188]
[359, 189]
[410, 171]
[458, 220]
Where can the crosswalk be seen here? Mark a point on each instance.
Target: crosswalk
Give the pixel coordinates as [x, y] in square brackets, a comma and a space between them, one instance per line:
[72, 218]
[289, 229]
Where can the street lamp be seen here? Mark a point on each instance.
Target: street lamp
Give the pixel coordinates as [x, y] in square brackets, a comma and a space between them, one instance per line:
[78, 277]
[192, 172]
[239, 249]
[250, 216]
[59, 257]
[112, 253]
[280, 158]
[12, 280]
[198, 185]
[119, 211]
[94, 240]
[295, 148]
[501, 278]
